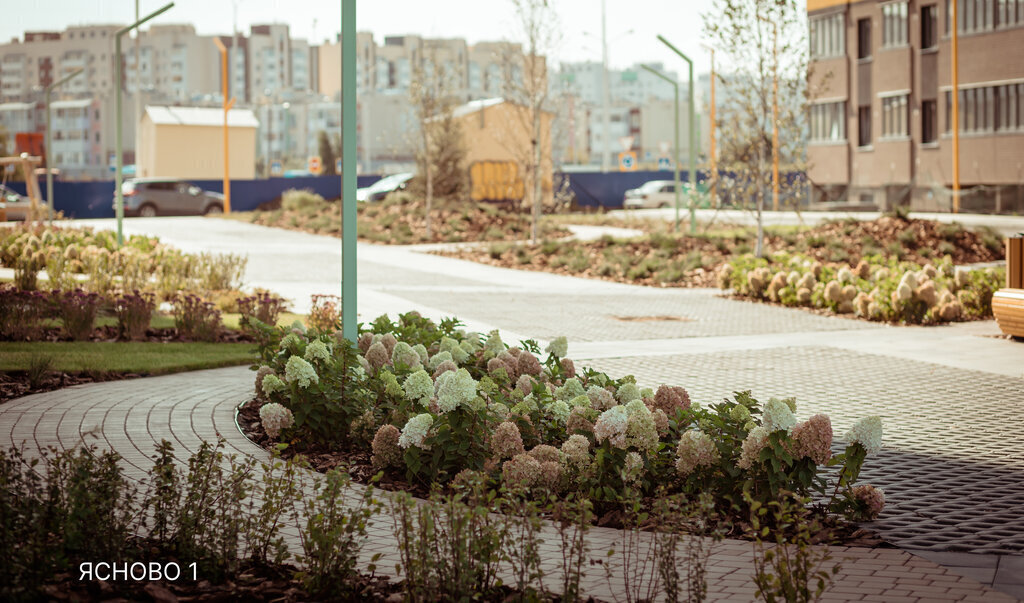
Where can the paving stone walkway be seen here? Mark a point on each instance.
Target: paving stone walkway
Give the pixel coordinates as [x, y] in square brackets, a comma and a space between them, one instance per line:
[952, 398]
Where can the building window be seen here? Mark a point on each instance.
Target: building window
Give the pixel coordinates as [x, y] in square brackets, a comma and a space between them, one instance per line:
[894, 24]
[828, 36]
[929, 121]
[863, 38]
[894, 116]
[828, 122]
[928, 27]
[864, 126]
[985, 15]
[988, 109]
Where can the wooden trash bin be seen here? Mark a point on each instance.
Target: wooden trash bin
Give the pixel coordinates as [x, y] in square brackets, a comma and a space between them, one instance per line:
[1008, 303]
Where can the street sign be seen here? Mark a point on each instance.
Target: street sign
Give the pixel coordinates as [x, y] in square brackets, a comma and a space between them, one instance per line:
[664, 147]
[664, 163]
[314, 165]
[276, 168]
[626, 142]
[337, 165]
[627, 161]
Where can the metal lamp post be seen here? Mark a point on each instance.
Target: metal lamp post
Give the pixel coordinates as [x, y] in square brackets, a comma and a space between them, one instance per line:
[49, 150]
[692, 130]
[117, 112]
[349, 327]
[675, 149]
[227, 108]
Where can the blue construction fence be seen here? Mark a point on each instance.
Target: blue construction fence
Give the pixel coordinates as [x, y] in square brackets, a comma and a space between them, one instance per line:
[96, 199]
[591, 189]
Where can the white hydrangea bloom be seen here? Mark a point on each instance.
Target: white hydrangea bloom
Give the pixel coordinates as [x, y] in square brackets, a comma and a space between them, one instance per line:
[274, 418]
[291, 342]
[777, 416]
[627, 393]
[438, 358]
[421, 351]
[451, 346]
[318, 351]
[415, 431]
[297, 370]
[558, 347]
[559, 410]
[499, 410]
[419, 387]
[845, 275]
[454, 389]
[272, 383]
[494, 343]
[868, 433]
[611, 426]
[633, 468]
[582, 400]
[570, 389]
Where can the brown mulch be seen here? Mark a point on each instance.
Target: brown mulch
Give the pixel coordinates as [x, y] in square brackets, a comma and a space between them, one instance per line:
[821, 242]
[359, 467]
[163, 335]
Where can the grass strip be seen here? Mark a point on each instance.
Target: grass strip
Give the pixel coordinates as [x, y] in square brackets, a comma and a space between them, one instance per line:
[124, 357]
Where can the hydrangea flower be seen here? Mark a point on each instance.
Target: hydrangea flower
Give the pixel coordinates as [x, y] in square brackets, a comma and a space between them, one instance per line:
[559, 410]
[451, 346]
[568, 368]
[454, 389]
[274, 418]
[261, 374]
[739, 413]
[385, 447]
[579, 421]
[582, 400]
[292, 343]
[527, 364]
[627, 393]
[405, 355]
[421, 351]
[506, 442]
[871, 499]
[415, 431]
[600, 398]
[570, 389]
[438, 358]
[868, 433]
[633, 468]
[671, 399]
[813, 439]
[378, 356]
[612, 425]
[576, 452]
[522, 471]
[754, 443]
[494, 344]
[777, 416]
[499, 409]
[558, 347]
[660, 421]
[391, 386]
[525, 384]
[641, 430]
[696, 449]
[317, 351]
[298, 371]
[444, 367]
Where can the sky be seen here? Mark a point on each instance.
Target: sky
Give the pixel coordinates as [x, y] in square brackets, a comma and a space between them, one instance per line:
[632, 25]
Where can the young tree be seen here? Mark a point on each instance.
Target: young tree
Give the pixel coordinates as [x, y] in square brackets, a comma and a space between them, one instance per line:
[327, 157]
[765, 43]
[440, 151]
[526, 84]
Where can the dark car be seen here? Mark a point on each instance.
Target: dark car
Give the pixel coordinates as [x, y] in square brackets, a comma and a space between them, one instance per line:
[17, 206]
[148, 197]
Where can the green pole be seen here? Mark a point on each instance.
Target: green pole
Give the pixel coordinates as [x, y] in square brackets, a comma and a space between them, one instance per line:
[692, 163]
[49, 143]
[349, 326]
[675, 149]
[117, 111]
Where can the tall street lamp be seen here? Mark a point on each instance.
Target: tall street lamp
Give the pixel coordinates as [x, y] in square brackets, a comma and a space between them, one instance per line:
[692, 131]
[227, 107]
[675, 149]
[117, 112]
[349, 327]
[49, 143]
[714, 158]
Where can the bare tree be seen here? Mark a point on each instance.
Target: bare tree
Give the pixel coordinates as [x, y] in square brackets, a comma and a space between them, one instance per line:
[433, 95]
[765, 44]
[526, 85]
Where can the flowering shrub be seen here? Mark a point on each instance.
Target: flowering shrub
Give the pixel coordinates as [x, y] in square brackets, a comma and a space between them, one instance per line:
[434, 401]
[275, 418]
[134, 311]
[20, 313]
[325, 313]
[875, 289]
[196, 319]
[263, 306]
[77, 310]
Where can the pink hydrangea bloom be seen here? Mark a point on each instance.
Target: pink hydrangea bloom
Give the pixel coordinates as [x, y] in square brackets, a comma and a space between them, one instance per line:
[386, 451]
[696, 449]
[274, 418]
[813, 439]
[522, 471]
[871, 498]
[754, 443]
[671, 399]
[506, 442]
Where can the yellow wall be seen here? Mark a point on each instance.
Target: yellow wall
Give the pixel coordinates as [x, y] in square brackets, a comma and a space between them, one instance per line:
[195, 152]
[813, 5]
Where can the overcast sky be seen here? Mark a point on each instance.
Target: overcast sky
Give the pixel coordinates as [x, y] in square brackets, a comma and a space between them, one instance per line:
[632, 24]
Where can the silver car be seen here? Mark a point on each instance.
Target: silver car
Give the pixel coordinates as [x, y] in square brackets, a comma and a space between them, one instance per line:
[148, 197]
[655, 194]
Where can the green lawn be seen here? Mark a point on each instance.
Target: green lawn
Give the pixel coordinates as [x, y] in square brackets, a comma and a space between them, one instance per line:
[128, 357]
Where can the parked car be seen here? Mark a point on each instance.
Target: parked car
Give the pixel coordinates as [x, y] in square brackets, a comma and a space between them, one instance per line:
[17, 206]
[148, 197]
[384, 187]
[662, 193]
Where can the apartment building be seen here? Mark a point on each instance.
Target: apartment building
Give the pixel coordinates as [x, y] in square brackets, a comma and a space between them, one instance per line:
[881, 113]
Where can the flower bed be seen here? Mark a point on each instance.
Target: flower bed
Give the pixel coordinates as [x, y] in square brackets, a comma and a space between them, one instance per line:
[874, 289]
[440, 406]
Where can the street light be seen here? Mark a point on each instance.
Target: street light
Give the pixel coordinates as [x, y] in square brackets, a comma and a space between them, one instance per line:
[117, 111]
[227, 107]
[714, 158]
[675, 149]
[49, 150]
[349, 327]
[692, 164]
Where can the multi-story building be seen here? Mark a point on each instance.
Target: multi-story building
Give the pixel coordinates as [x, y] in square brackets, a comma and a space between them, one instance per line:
[881, 113]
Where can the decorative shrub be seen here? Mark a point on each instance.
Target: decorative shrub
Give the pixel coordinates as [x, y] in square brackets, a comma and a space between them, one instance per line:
[77, 310]
[325, 313]
[517, 417]
[134, 312]
[874, 289]
[263, 306]
[20, 313]
[196, 319]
